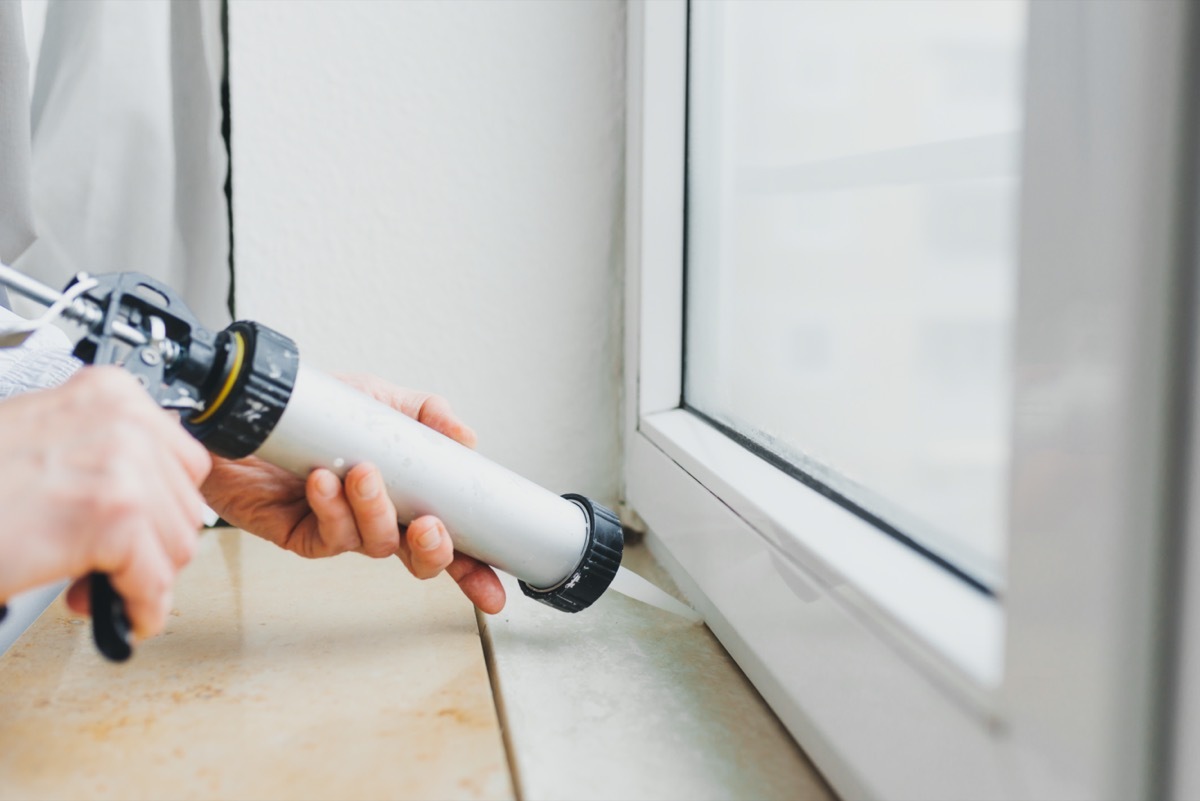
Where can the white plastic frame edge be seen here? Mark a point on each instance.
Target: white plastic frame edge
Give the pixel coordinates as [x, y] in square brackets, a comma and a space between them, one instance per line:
[1077, 702]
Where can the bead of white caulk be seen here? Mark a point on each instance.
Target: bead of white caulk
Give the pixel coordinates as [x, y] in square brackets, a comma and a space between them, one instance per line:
[632, 585]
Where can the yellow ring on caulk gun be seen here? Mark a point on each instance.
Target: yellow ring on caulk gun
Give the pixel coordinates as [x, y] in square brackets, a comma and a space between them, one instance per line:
[255, 390]
[239, 356]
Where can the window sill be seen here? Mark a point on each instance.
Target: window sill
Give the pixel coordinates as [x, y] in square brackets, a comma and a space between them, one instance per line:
[626, 701]
[896, 586]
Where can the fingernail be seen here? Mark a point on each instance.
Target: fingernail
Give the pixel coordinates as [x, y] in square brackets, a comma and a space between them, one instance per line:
[430, 539]
[327, 485]
[368, 488]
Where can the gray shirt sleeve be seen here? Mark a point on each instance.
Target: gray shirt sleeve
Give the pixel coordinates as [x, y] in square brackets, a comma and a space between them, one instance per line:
[44, 360]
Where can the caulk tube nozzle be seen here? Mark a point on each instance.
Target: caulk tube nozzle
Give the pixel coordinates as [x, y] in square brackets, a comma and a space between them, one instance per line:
[595, 571]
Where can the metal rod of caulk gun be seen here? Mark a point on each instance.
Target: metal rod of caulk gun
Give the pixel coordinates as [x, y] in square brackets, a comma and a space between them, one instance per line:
[79, 311]
[29, 287]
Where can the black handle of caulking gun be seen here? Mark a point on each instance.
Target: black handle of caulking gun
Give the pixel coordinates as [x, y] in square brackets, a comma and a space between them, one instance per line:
[110, 624]
[144, 301]
[269, 375]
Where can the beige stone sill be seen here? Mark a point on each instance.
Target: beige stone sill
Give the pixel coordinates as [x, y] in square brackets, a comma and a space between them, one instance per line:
[277, 678]
[283, 678]
[624, 701]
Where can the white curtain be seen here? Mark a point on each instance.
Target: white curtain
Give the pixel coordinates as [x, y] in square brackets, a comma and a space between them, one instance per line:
[128, 164]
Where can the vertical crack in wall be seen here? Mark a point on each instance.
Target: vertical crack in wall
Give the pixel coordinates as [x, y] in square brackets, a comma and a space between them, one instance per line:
[226, 134]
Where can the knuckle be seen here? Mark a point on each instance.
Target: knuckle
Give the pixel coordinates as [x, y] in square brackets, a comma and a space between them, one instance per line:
[119, 438]
[110, 544]
[158, 583]
[192, 508]
[426, 569]
[334, 549]
[113, 501]
[147, 588]
[380, 548]
[351, 541]
[339, 543]
[124, 496]
[91, 378]
[424, 572]
[108, 384]
[79, 394]
[124, 445]
[198, 458]
[187, 549]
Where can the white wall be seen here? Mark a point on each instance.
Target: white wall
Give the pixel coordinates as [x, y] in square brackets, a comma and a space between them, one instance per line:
[432, 192]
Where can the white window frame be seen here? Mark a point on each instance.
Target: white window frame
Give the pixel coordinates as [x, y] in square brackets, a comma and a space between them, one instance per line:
[843, 630]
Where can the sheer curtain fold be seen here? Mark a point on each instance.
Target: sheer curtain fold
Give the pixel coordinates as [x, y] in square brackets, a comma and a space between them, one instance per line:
[16, 210]
[122, 165]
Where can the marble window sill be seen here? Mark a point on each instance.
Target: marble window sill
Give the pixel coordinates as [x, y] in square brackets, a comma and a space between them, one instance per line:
[280, 678]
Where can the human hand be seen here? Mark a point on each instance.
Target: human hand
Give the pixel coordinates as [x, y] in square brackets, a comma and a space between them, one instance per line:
[322, 516]
[95, 477]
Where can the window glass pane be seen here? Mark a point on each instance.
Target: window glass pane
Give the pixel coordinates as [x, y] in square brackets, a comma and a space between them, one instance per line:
[853, 170]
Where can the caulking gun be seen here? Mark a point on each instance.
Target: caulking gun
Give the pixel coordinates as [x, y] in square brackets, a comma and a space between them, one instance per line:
[243, 390]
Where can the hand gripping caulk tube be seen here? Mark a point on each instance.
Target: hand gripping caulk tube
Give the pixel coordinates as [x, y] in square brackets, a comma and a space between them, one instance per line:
[566, 550]
[244, 390]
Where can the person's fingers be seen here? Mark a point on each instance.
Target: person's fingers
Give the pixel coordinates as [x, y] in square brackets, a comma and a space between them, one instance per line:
[436, 413]
[431, 410]
[373, 511]
[112, 387]
[140, 482]
[126, 484]
[196, 460]
[336, 526]
[177, 509]
[478, 582]
[407, 401]
[142, 576]
[429, 548]
[79, 597]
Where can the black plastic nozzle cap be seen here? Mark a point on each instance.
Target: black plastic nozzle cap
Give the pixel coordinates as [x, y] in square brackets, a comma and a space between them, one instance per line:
[246, 415]
[598, 567]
